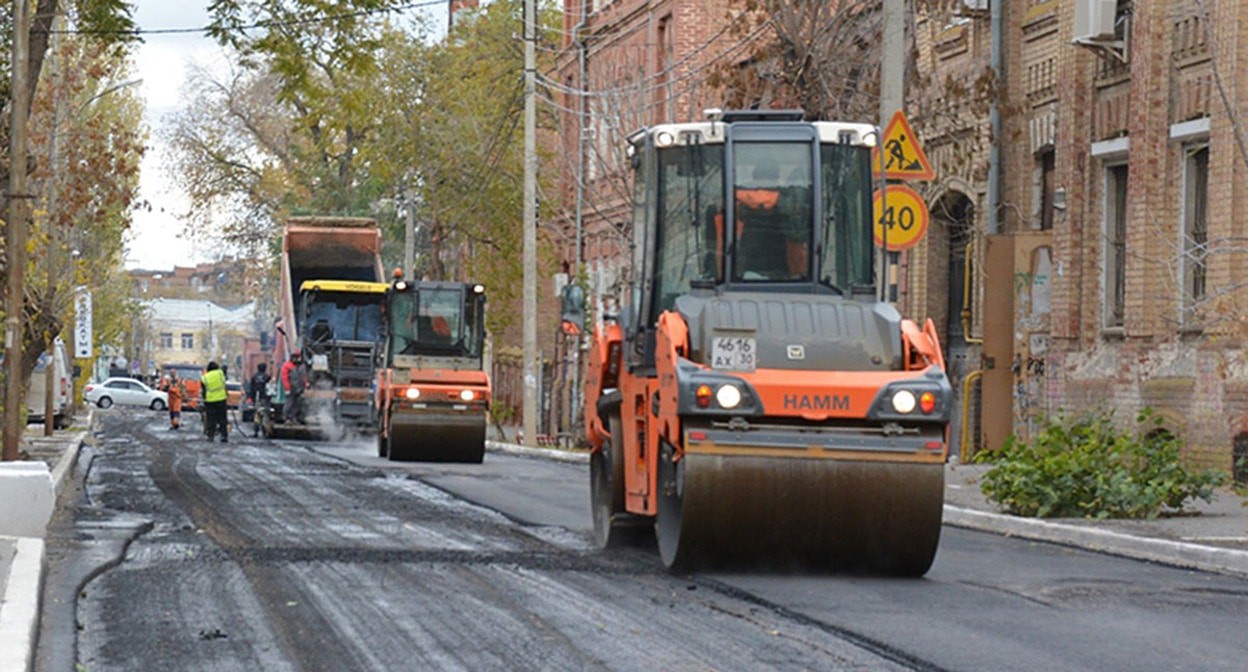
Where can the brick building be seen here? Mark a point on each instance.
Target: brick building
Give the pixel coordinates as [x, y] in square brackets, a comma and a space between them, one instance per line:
[1109, 276]
[1147, 308]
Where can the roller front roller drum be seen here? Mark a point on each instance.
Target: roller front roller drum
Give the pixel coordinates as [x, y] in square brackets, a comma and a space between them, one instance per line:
[798, 513]
[436, 437]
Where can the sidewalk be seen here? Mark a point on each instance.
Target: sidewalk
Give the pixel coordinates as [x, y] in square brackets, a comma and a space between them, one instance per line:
[21, 558]
[1215, 540]
[1209, 536]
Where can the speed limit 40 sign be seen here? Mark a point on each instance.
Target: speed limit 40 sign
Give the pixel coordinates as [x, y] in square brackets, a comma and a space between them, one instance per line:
[905, 217]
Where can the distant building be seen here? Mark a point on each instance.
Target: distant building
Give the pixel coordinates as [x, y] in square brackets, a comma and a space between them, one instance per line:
[227, 281]
[181, 331]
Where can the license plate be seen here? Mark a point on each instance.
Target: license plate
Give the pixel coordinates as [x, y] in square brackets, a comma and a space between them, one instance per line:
[734, 353]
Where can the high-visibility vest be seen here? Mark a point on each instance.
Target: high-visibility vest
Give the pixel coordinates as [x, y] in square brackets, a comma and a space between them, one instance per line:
[214, 385]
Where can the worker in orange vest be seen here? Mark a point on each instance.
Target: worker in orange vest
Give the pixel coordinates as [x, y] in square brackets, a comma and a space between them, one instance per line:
[177, 392]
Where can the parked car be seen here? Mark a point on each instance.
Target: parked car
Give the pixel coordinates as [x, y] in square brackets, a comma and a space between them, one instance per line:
[126, 392]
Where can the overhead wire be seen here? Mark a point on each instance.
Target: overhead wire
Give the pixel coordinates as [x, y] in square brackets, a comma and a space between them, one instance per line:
[633, 89]
[271, 23]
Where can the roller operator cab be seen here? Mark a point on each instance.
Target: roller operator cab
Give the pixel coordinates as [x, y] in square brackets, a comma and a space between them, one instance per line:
[432, 393]
[755, 403]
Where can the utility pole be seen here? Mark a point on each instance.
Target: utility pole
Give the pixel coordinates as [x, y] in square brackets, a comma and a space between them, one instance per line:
[531, 354]
[582, 49]
[54, 245]
[15, 233]
[892, 98]
[409, 240]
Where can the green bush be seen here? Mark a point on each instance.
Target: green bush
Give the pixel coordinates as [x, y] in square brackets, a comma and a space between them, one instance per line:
[1087, 468]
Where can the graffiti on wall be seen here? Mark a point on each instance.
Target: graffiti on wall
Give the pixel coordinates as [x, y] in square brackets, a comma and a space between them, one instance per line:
[1032, 306]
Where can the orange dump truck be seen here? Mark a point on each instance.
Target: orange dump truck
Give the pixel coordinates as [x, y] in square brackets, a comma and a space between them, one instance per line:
[755, 402]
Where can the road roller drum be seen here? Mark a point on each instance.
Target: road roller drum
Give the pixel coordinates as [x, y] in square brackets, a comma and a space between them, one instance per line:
[437, 437]
[793, 513]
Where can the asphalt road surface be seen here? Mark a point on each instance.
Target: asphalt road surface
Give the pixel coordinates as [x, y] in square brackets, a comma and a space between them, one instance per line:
[177, 554]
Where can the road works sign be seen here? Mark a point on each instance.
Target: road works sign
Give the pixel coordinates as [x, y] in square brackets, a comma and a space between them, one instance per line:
[903, 157]
[906, 218]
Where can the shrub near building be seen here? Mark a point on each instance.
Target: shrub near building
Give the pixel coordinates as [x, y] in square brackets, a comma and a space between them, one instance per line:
[1088, 468]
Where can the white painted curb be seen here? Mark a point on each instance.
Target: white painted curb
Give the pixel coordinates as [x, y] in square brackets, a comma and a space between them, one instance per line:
[1175, 553]
[544, 453]
[29, 497]
[19, 612]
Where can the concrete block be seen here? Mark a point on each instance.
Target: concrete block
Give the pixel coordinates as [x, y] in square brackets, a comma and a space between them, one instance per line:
[27, 493]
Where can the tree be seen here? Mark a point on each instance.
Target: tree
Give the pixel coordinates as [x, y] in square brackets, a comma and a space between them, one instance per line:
[108, 21]
[86, 145]
[821, 57]
[111, 29]
[451, 125]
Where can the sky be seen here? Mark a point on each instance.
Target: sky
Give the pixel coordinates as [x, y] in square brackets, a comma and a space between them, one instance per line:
[162, 62]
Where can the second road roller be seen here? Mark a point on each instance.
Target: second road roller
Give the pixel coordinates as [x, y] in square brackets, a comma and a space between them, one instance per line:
[755, 402]
[432, 391]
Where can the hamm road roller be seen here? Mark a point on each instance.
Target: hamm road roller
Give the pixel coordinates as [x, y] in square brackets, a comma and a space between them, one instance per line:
[755, 402]
[432, 394]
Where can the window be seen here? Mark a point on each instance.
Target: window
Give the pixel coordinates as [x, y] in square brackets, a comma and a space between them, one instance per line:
[691, 219]
[166, 340]
[188, 341]
[774, 186]
[1045, 167]
[664, 54]
[1195, 226]
[1115, 244]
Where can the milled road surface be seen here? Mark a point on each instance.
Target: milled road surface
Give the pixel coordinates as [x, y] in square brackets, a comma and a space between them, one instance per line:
[294, 556]
[266, 556]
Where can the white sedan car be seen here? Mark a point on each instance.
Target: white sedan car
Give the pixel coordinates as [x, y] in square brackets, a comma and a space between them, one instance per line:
[125, 391]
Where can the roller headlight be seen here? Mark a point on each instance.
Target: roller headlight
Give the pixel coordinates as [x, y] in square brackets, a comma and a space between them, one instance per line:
[728, 396]
[401, 285]
[412, 393]
[467, 395]
[904, 401]
[664, 139]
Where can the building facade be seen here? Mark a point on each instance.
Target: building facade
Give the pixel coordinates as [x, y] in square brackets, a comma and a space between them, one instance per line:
[180, 331]
[1111, 273]
[1149, 265]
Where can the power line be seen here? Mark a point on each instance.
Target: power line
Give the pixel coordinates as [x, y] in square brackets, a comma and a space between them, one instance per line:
[652, 82]
[273, 23]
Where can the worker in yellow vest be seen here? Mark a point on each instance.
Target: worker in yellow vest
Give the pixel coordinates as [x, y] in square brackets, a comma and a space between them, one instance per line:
[213, 386]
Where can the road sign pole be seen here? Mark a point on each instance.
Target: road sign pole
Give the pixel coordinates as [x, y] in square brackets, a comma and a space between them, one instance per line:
[883, 276]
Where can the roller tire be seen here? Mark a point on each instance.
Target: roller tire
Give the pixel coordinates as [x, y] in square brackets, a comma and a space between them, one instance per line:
[670, 519]
[613, 526]
[383, 445]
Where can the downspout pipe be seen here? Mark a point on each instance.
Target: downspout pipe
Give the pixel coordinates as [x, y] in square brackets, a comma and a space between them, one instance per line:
[996, 16]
